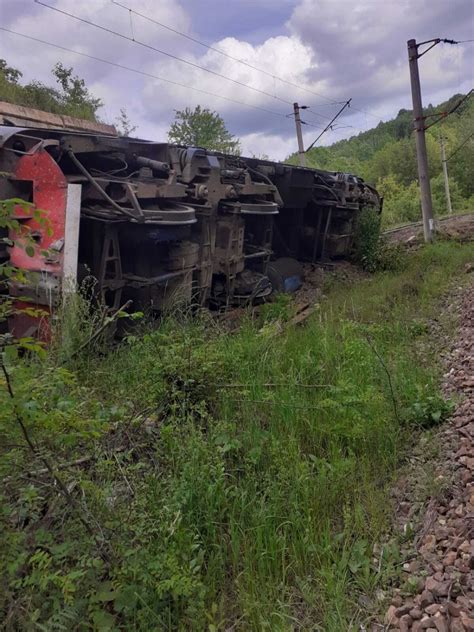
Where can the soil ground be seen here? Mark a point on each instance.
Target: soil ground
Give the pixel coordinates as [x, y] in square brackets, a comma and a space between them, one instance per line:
[459, 227]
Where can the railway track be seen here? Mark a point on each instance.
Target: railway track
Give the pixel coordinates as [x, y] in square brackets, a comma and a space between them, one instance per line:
[462, 223]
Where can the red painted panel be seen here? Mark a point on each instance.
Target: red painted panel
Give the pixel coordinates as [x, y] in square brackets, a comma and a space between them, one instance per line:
[49, 196]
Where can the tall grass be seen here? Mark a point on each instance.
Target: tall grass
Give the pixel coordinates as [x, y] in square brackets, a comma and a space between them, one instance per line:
[259, 485]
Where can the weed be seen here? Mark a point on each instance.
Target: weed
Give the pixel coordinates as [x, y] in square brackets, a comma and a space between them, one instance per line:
[366, 238]
[281, 308]
[237, 479]
[391, 257]
[428, 410]
[371, 250]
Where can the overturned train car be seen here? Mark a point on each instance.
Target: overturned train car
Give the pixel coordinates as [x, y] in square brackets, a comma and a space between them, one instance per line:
[154, 223]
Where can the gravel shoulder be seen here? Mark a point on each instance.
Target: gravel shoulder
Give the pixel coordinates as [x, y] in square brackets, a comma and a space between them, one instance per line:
[458, 227]
[434, 502]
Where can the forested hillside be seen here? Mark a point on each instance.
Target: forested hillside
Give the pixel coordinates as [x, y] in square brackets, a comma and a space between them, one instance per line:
[385, 156]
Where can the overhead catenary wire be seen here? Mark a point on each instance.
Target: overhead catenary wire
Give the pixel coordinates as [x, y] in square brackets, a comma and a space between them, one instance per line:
[459, 147]
[311, 125]
[374, 116]
[142, 72]
[172, 56]
[443, 115]
[222, 52]
[330, 101]
[149, 46]
[433, 42]
[291, 115]
[162, 52]
[329, 125]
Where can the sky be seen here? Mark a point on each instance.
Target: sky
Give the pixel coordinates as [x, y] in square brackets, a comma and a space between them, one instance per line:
[318, 53]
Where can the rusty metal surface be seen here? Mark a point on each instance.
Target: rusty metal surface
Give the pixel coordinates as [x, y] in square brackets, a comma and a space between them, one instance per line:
[20, 116]
[186, 221]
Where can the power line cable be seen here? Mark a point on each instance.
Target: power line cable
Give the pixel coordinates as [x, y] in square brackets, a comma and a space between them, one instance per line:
[460, 147]
[303, 107]
[374, 116]
[329, 125]
[162, 52]
[172, 56]
[239, 61]
[221, 52]
[311, 125]
[142, 72]
[443, 115]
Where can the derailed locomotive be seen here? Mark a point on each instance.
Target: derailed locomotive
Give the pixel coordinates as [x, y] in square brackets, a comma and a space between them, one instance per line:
[154, 223]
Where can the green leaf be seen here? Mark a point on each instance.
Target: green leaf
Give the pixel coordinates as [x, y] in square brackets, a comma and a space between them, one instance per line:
[105, 592]
[103, 620]
[19, 202]
[30, 251]
[10, 353]
[126, 598]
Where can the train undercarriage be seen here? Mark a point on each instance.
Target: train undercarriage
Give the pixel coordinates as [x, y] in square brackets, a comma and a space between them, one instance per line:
[155, 224]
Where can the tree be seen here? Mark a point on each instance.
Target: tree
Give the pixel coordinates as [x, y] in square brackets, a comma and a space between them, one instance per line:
[438, 194]
[401, 203]
[203, 128]
[398, 158]
[74, 91]
[73, 98]
[124, 124]
[10, 74]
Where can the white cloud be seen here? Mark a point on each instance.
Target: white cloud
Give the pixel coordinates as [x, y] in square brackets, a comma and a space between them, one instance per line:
[338, 48]
[271, 145]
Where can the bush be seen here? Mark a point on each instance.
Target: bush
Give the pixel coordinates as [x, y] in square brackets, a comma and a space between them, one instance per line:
[390, 256]
[366, 239]
[371, 250]
[402, 202]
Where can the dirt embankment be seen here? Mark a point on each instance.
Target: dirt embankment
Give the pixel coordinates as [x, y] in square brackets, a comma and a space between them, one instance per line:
[458, 227]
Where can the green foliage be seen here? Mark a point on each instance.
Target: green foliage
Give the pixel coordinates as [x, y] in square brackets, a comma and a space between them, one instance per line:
[391, 257]
[281, 308]
[75, 94]
[202, 128]
[73, 98]
[371, 250]
[366, 238]
[9, 273]
[428, 410]
[385, 157]
[398, 159]
[401, 204]
[230, 479]
[9, 74]
[124, 125]
[438, 195]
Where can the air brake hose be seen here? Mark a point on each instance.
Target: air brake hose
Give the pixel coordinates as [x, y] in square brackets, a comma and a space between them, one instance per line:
[98, 188]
